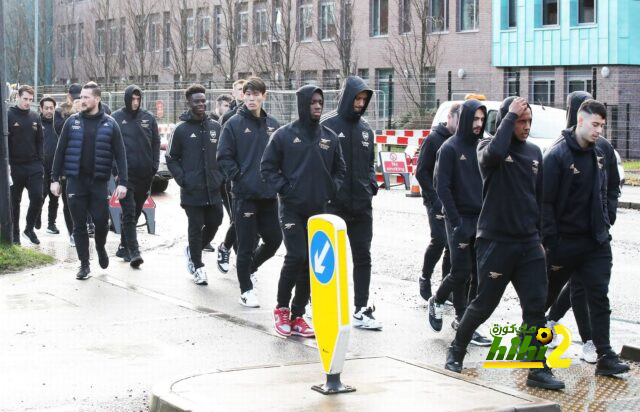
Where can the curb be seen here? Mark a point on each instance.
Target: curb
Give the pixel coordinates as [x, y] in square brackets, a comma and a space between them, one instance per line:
[631, 353]
[629, 205]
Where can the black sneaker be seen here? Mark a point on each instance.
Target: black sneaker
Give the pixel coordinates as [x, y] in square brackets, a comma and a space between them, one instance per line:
[425, 288]
[83, 272]
[543, 378]
[31, 235]
[52, 229]
[223, 258]
[478, 340]
[38, 223]
[209, 248]
[455, 357]
[611, 365]
[136, 260]
[435, 315]
[123, 253]
[16, 240]
[103, 258]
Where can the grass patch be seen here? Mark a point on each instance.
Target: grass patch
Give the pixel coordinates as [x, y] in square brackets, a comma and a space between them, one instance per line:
[13, 258]
[631, 165]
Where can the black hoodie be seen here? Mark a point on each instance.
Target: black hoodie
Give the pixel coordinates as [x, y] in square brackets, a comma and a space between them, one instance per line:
[51, 129]
[25, 136]
[141, 139]
[191, 158]
[427, 163]
[357, 141]
[233, 109]
[511, 184]
[242, 144]
[457, 179]
[574, 100]
[303, 160]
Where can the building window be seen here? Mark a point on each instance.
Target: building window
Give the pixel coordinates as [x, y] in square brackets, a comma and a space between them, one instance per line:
[578, 80]
[586, 11]
[219, 21]
[71, 32]
[204, 28]
[243, 26]
[100, 38]
[123, 48]
[543, 87]
[80, 38]
[305, 20]
[383, 84]
[154, 33]
[327, 21]
[439, 16]
[62, 40]
[166, 28]
[261, 24]
[511, 82]
[549, 12]
[190, 29]
[468, 15]
[364, 74]
[405, 16]
[512, 13]
[329, 79]
[113, 36]
[308, 77]
[379, 17]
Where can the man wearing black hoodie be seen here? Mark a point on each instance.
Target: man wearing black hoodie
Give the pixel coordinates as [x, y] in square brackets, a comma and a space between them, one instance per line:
[244, 138]
[142, 143]
[459, 187]
[303, 162]
[191, 158]
[424, 174]
[576, 222]
[353, 201]
[508, 242]
[25, 158]
[51, 123]
[89, 143]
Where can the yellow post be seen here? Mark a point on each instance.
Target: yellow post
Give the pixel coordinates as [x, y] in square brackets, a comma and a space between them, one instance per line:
[329, 296]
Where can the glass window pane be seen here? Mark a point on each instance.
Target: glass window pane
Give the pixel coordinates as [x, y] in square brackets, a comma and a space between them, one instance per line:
[549, 12]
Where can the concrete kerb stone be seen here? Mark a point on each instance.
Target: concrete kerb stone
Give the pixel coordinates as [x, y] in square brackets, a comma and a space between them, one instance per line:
[629, 205]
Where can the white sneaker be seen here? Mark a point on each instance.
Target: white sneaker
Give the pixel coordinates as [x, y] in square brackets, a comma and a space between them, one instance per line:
[249, 299]
[364, 319]
[200, 276]
[254, 279]
[72, 241]
[589, 353]
[190, 267]
[557, 338]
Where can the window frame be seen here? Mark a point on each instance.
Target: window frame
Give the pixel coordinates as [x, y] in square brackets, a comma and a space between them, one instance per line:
[305, 15]
[376, 21]
[476, 14]
[326, 21]
[544, 3]
[445, 17]
[580, 10]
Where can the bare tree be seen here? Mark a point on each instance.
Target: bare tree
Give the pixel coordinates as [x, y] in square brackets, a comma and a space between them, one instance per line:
[144, 21]
[107, 40]
[226, 38]
[69, 52]
[18, 43]
[182, 38]
[414, 54]
[337, 36]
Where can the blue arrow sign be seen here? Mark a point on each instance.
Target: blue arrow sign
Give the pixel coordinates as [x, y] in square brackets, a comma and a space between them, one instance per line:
[323, 258]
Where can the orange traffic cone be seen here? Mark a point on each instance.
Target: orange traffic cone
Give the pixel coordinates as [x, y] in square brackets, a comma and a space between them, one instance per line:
[415, 187]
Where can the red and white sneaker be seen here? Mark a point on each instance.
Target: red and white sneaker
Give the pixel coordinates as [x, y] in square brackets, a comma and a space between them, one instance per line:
[281, 321]
[300, 327]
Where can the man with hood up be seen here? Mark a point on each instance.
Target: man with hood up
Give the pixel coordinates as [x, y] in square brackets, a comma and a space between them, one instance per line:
[576, 223]
[353, 201]
[142, 145]
[508, 242]
[573, 294]
[459, 187]
[424, 174]
[191, 158]
[303, 162]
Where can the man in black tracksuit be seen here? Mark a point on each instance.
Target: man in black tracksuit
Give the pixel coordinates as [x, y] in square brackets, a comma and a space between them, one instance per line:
[242, 144]
[191, 158]
[353, 201]
[89, 143]
[26, 161]
[303, 162]
[508, 243]
[238, 95]
[51, 122]
[459, 187]
[424, 174]
[576, 222]
[573, 294]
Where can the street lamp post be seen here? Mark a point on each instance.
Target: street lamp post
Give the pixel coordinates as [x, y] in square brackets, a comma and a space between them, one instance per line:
[6, 231]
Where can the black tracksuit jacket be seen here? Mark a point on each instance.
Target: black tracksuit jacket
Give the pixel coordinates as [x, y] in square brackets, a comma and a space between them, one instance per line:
[191, 158]
[511, 184]
[25, 136]
[427, 163]
[141, 139]
[242, 144]
[357, 141]
[303, 160]
[457, 179]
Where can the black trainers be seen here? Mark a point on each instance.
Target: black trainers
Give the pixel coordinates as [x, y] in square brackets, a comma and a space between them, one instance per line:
[610, 365]
[38, 223]
[31, 235]
[223, 258]
[52, 229]
[425, 287]
[136, 260]
[543, 378]
[123, 253]
[83, 272]
[478, 340]
[455, 357]
[16, 240]
[103, 258]
[209, 248]
[435, 314]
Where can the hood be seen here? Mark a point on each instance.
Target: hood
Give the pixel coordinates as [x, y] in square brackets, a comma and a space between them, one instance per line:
[244, 111]
[303, 97]
[16, 109]
[574, 100]
[441, 129]
[570, 137]
[465, 124]
[352, 86]
[504, 109]
[45, 120]
[188, 117]
[128, 97]
[94, 116]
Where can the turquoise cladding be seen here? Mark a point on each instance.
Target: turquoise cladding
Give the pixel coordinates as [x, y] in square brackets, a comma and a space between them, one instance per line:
[609, 40]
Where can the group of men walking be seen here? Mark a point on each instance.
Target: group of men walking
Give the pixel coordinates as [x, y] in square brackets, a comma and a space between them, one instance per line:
[506, 213]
